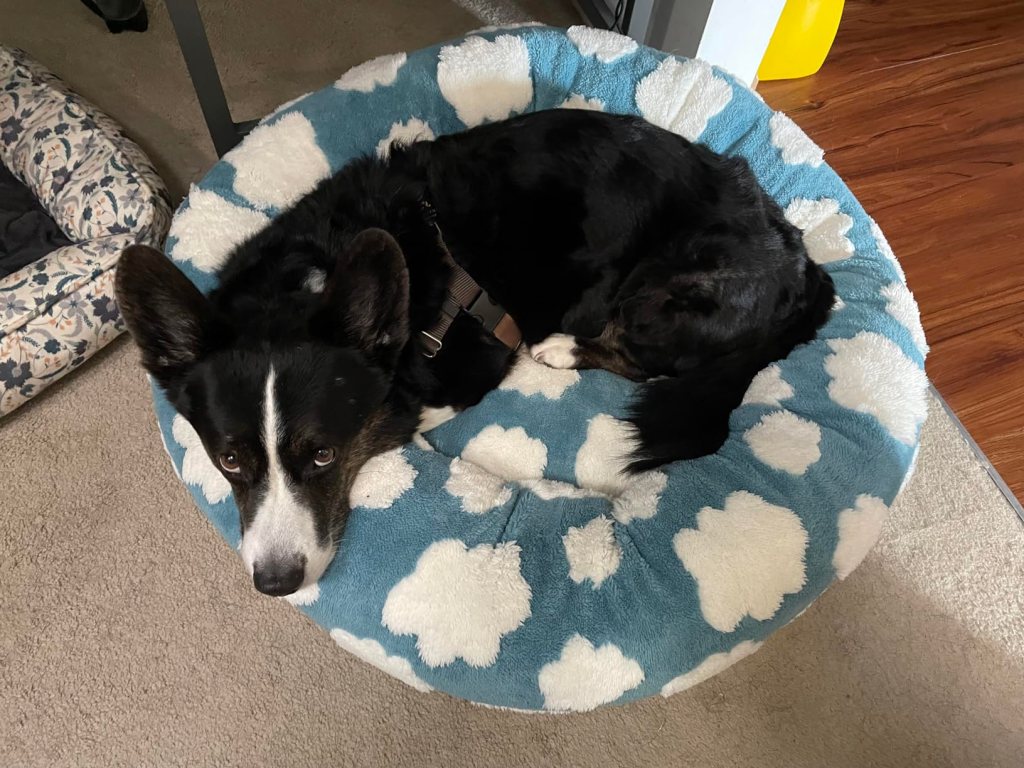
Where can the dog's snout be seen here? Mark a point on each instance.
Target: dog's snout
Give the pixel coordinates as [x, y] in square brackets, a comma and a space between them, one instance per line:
[279, 577]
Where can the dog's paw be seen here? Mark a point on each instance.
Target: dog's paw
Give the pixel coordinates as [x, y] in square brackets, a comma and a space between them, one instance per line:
[556, 351]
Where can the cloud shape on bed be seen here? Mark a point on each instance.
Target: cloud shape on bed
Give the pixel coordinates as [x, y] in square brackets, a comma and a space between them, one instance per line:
[711, 666]
[601, 466]
[279, 162]
[486, 79]
[859, 529]
[592, 551]
[477, 489]
[578, 101]
[372, 652]
[459, 602]
[604, 44]
[584, 677]
[370, 75]
[900, 304]
[197, 468]
[209, 229]
[784, 441]
[745, 559]
[682, 96]
[639, 500]
[886, 250]
[870, 374]
[382, 480]
[602, 459]
[508, 453]
[528, 377]
[768, 388]
[405, 133]
[793, 144]
[824, 228]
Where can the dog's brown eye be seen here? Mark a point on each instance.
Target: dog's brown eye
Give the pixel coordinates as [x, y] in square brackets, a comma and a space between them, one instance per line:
[323, 457]
[230, 463]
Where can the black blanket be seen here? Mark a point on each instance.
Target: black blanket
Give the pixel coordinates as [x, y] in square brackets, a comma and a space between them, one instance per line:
[27, 233]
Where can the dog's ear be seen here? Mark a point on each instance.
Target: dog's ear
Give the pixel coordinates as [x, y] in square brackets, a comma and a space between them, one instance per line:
[169, 318]
[366, 303]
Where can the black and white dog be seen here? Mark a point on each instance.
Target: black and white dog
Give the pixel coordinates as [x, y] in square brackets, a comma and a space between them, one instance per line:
[610, 242]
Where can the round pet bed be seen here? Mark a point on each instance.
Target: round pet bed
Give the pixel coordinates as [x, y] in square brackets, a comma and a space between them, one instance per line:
[502, 557]
[99, 188]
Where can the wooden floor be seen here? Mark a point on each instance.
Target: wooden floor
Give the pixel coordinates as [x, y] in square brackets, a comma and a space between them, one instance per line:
[920, 108]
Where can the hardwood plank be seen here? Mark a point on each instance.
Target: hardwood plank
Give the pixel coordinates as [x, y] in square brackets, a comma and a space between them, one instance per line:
[927, 127]
[881, 34]
[963, 251]
[980, 374]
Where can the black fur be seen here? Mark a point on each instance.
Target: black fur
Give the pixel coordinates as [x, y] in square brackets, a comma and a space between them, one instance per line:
[661, 257]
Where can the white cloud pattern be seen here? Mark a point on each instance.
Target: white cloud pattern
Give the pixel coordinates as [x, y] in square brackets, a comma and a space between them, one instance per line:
[870, 374]
[601, 466]
[196, 467]
[477, 489]
[824, 228]
[460, 602]
[900, 304]
[768, 388]
[372, 652]
[711, 666]
[859, 529]
[639, 500]
[745, 559]
[606, 45]
[209, 229]
[584, 677]
[578, 101]
[279, 163]
[886, 250]
[682, 96]
[784, 441]
[528, 377]
[486, 80]
[508, 453]
[409, 132]
[793, 144]
[382, 480]
[592, 551]
[602, 459]
[372, 74]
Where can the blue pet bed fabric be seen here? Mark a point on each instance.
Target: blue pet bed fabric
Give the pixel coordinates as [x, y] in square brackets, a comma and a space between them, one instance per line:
[502, 556]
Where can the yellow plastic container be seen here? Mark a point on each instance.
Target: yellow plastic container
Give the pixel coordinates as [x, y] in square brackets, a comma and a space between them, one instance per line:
[801, 40]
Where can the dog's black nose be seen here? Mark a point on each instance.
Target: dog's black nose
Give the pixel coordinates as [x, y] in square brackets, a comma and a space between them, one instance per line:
[278, 577]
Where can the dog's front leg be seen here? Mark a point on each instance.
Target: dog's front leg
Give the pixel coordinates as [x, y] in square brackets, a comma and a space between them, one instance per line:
[560, 350]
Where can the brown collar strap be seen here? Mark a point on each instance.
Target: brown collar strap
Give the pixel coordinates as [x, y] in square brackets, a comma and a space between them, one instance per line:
[465, 295]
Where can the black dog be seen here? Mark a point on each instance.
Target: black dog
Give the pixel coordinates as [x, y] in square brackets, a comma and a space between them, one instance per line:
[612, 244]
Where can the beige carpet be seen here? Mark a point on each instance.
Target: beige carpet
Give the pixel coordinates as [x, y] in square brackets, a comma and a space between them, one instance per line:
[129, 634]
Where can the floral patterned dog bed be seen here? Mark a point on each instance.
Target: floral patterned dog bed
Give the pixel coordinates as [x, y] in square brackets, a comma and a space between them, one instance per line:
[102, 191]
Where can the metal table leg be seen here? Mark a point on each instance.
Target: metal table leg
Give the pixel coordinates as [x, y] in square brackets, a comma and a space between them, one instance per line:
[195, 48]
